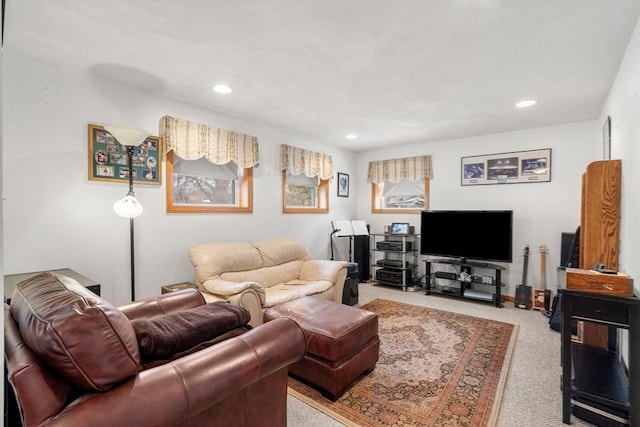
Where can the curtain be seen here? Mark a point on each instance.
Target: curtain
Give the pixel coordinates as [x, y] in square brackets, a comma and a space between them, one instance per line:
[302, 179]
[192, 141]
[409, 169]
[403, 188]
[297, 161]
[201, 167]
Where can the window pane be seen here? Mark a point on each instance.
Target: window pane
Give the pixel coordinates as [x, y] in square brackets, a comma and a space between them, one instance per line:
[403, 195]
[204, 190]
[199, 186]
[301, 196]
[403, 202]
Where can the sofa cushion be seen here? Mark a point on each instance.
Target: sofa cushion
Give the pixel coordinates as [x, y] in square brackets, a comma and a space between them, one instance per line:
[281, 250]
[81, 336]
[213, 259]
[267, 276]
[163, 335]
[293, 290]
[321, 270]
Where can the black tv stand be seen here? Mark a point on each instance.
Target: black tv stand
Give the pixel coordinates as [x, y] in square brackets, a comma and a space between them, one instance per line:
[465, 280]
[464, 261]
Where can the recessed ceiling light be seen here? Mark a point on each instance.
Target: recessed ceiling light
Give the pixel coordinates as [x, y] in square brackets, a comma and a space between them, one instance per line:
[351, 136]
[222, 89]
[526, 103]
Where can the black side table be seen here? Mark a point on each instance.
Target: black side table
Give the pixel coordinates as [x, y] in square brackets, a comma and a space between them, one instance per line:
[12, 280]
[599, 390]
[177, 287]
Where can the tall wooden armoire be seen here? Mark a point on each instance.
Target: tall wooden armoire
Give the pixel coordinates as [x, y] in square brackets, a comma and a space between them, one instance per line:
[600, 227]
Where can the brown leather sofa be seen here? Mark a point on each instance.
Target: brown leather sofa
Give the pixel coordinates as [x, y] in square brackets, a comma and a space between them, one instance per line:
[73, 360]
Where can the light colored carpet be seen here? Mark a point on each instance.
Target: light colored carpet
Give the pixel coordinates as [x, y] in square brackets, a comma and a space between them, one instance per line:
[532, 395]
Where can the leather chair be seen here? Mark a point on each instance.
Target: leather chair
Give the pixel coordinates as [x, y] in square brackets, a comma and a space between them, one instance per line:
[239, 381]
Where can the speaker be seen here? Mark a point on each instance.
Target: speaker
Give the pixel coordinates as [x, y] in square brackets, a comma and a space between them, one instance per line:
[361, 253]
[565, 248]
[350, 290]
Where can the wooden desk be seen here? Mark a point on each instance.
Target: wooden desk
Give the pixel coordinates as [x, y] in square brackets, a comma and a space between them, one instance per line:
[595, 386]
[12, 280]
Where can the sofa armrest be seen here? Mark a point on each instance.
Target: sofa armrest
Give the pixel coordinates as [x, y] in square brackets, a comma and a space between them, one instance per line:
[163, 304]
[227, 288]
[332, 271]
[169, 394]
[250, 299]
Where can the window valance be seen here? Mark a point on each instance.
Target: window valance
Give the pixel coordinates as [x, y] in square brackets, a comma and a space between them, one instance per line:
[409, 168]
[192, 141]
[298, 161]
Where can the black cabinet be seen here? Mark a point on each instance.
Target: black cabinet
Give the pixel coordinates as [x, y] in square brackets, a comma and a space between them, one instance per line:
[11, 281]
[466, 280]
[596, 386]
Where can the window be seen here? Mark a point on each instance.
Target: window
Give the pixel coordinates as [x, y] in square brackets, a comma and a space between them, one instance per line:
[209, 169]
[301, 194]
[403, 196]
[400, 185]
[305, 180]
[199, 186]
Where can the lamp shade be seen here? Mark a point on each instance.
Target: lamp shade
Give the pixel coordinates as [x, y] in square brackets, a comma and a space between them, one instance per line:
[127, 136]
[128, 207]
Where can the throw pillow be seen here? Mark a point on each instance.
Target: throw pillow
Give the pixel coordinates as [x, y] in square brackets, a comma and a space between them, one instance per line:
[166, 334]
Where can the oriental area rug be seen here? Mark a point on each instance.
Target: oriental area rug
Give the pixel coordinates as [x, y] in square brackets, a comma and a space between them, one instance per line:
[436, 368]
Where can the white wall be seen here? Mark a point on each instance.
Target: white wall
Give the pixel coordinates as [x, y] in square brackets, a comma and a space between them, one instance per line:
[542, 211]
[54, 217]
[1, 179]
[623, 106]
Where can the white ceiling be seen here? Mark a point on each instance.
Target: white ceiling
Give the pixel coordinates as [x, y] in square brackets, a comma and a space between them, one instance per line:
[393, 72]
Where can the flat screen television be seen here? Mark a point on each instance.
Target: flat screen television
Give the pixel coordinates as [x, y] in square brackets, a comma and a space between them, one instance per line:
[467, 234]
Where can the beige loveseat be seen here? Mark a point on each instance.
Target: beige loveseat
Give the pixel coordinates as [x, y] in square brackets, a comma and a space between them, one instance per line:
[258, 275]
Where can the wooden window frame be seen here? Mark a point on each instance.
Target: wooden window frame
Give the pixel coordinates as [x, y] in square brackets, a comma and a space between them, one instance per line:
[245, 194]
[376, 201]
[323, 198]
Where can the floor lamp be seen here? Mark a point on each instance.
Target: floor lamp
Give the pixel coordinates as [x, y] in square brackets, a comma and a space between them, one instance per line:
[128, 206]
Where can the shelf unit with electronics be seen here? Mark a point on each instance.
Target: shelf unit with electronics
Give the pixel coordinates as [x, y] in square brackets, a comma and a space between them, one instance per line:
[461, 282]
[394, 258]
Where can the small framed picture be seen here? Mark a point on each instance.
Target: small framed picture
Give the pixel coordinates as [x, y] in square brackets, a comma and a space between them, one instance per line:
[343, 184]
[606, 139]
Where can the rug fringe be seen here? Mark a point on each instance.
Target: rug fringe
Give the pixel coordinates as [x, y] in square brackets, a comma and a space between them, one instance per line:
[502, 381]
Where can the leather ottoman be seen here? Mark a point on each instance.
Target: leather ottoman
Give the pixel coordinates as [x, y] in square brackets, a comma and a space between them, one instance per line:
[342, 342]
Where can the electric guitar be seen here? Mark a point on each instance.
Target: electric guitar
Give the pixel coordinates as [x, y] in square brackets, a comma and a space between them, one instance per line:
[542, 296]
[523, 292]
